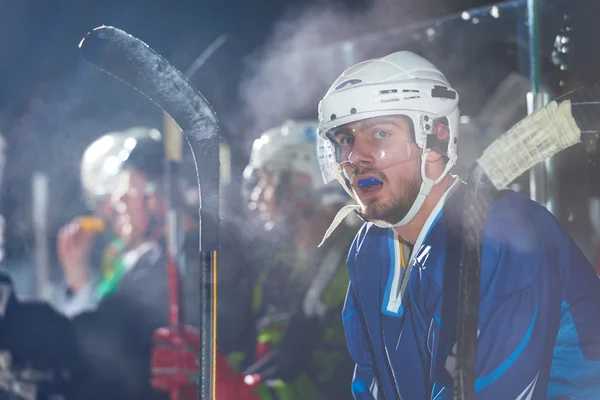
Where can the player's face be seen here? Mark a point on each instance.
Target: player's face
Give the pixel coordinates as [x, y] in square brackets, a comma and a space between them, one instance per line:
[383, 166]
[130, 204]
[264, 195]
[280, 195]
[105, 211]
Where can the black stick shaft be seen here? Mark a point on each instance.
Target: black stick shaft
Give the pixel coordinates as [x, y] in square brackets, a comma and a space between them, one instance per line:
[479, 196]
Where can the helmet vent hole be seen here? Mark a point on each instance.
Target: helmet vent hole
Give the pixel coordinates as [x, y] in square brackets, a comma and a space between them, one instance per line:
[410, 91]
[333, 116]
[353, 110]
[390, 100]
[412, 97]
[388, 91]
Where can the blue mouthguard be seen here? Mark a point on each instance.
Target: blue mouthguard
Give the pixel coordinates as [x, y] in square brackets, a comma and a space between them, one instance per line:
[368, 181]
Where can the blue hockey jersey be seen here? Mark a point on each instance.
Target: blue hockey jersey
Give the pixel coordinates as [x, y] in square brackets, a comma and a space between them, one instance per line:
[539, 321]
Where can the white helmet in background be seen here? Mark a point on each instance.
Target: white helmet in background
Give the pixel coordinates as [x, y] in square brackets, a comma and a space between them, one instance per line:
[103, 160]
[99, 165]
[400, 84]
[289, 148]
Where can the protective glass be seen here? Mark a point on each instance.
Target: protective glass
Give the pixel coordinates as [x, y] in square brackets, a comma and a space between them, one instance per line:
[373, 144]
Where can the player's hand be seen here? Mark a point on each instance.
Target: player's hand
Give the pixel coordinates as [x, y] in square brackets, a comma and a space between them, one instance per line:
[74, 247]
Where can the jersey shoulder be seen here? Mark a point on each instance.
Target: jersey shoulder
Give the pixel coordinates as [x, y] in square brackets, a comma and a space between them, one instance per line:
[517, 235]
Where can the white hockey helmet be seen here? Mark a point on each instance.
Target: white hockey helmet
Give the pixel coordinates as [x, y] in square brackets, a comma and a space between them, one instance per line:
[99, 166]
[103, 160]
[290, 148]
[404, 84]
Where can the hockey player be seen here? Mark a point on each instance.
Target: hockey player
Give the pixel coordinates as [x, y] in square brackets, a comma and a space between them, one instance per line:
[388, 133]
[101, 164]
[301, 349]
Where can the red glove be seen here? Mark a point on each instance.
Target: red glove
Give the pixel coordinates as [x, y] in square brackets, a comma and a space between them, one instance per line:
[175, 364]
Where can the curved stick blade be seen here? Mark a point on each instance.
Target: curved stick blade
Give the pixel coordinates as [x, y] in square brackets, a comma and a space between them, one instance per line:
[135, 63]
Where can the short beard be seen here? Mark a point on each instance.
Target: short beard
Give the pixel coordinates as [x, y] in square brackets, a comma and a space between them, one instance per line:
[396, 209]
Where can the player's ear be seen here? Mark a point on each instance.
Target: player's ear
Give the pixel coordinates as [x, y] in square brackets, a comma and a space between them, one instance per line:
[435, 164]
[433, 156]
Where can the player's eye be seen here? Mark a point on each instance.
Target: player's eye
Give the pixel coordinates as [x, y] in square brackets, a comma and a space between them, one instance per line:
[345, 140]
[381, 134]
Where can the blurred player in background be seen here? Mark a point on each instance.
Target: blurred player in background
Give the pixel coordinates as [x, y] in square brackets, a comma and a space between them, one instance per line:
[301, 352]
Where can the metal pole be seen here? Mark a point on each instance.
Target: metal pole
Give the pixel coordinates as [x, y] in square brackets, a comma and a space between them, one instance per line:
[39, 191]
[538, 183]
[349, 54]
[534, 66]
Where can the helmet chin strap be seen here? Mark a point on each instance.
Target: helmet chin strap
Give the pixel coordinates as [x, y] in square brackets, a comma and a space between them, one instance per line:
[426, 185]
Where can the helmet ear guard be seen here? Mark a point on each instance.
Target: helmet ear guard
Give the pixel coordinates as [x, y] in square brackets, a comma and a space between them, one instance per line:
[437, 134]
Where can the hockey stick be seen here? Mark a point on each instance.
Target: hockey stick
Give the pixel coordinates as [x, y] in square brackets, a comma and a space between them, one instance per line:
[173, 144]
[135, 63]
[560, 124]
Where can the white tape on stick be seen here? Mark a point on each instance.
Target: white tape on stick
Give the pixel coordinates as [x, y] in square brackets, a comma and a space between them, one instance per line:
[537, 137]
